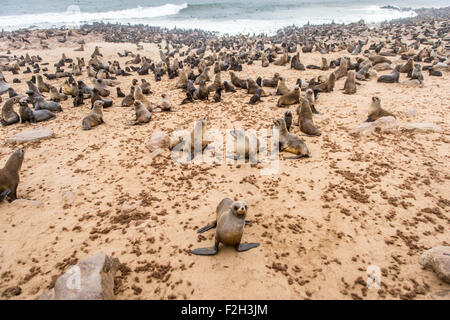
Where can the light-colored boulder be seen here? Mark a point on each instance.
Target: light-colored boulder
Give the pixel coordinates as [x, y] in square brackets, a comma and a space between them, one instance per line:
[383, 66]
[438, 260]
[385, 124]
[91, 279]
[31, 135]
[424, 127]
[158, 140]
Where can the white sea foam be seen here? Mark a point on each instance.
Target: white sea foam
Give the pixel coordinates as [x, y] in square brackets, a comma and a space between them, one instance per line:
[73, 17]
[166, 16]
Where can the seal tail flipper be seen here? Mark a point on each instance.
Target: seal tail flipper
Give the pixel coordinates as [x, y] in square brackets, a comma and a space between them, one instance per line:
[4, 194]
[211, 251]
[297, 157]
[208, 227]
[241, 247]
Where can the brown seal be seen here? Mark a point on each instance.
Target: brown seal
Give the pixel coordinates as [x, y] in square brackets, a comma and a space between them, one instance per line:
[350, 85]
[95, 117]
[288, 119]
[9, 116]
[376, 111]
[9, 175]
[272, 82]
[230, 223]
[342, 70]
[165, 105]
[311, 100]
[282, 88]
[305, 121]
[142, 114]
[292, 97]
[289, 142]
[129, 99]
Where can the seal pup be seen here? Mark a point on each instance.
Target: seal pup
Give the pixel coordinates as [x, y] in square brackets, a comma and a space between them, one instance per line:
[237, 82]
[229, 224]
[95, 117]
[33, 116]
[9, 116]
[39, 103]
[376, 111]
[165, 105]
[288, 119]
[289, 142]
[56, 96]
[305, 120]
[228, 86]
[138, 95]
[256, 97]
[252, 86]
[350, 85]
[129, 99]
[143, 115]
[41, 85]
[9, 175]
[271, 82]
[292, 97]
[218, 94]
[310, 96]
[95, 97]
[342, 70]
[282, 88]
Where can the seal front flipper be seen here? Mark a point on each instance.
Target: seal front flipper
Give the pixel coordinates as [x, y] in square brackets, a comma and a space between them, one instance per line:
[211, 251]
[241, 247]
[212, 225]
[4, 194]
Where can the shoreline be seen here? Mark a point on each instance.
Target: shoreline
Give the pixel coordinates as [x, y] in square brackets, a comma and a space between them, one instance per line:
[442, 12]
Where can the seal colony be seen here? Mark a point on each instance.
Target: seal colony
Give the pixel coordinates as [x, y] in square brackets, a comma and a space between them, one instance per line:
[333, 190]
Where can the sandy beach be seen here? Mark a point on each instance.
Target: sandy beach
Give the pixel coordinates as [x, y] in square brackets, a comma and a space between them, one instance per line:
[359, 200]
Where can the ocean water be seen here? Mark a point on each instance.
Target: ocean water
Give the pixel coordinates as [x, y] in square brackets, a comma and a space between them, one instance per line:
[224, 16]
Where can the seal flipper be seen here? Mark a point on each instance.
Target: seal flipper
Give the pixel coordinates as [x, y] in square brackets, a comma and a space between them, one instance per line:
[297, 157]
[314, 110]
[212, 225]
[211, 251]
[4, 194]
[241, 247]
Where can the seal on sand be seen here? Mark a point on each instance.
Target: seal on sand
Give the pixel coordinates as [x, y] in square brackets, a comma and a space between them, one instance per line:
[9, 175]
[230, 222]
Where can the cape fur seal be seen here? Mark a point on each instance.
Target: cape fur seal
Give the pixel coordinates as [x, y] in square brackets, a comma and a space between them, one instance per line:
[143, 115]
[305, 121]
[390, 78]
[9, 175]
[350, 85]
[292, 97]
[9, 116]
[230, 223]
[289, 142]
[95, 117]
[376, 111]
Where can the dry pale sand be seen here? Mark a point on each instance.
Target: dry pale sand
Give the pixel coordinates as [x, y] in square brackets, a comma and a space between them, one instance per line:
[357, 201]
